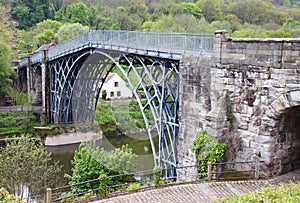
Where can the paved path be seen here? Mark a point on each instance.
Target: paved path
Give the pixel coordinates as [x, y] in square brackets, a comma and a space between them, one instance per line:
[201, 192]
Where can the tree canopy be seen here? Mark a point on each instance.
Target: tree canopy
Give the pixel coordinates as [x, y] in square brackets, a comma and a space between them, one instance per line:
[25, 163]
[26, 25]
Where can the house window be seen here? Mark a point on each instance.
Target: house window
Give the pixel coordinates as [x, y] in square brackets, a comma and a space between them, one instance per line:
[111, 94]
[118, 93]
[116, 84]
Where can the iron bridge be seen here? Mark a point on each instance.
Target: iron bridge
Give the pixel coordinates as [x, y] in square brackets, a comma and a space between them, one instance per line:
[76, 71]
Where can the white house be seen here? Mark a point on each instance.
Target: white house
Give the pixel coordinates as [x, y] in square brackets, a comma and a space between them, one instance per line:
[115, 87]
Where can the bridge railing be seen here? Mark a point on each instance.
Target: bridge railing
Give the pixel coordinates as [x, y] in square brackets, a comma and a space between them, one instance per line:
[170, 42]
[153, 41]
[37, 57]
[69, 46]
[23, 62]
[149, 179]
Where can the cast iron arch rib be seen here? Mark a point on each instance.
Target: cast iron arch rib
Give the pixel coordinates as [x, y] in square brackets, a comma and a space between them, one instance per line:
[77, 82]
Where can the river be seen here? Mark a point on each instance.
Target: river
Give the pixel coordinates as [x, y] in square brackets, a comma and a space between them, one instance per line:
[139, 143]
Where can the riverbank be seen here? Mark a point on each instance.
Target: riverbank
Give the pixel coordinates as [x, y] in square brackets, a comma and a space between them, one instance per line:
[71, 138]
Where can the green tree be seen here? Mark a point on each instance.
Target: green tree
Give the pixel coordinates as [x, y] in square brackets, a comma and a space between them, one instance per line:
[257, 12]
[44, 37]
[25, 164]
[188, 22]
[91, 161]
[77, 13]
[5, 68]
[47, 25]
[191, 8]
[21, 13]
[167, 23]
[68, 31]
[44, 31]
[28, 12]
[211, 10]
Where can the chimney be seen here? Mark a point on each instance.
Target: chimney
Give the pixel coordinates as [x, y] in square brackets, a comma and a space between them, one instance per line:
[54, 40]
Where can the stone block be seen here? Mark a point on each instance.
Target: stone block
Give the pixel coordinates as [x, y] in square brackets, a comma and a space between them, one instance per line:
[278, 106]
[295, 96]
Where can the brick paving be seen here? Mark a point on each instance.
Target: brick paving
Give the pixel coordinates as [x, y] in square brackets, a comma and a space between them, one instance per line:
[201, 192]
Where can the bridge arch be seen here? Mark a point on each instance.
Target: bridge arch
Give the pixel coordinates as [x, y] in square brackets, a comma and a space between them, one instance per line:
[286, 113]
[78, 90]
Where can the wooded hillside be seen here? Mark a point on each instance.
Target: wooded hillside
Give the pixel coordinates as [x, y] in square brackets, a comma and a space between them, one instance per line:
[28, 24]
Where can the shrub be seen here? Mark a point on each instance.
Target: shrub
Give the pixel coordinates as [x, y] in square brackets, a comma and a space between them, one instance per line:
[91, 161]
[207, 149]
[6, 197]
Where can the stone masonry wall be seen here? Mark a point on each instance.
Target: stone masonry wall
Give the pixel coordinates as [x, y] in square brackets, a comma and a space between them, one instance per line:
[194, 105]
[259, 79]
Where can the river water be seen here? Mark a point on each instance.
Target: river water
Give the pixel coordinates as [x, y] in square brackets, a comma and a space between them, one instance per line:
[140, 144]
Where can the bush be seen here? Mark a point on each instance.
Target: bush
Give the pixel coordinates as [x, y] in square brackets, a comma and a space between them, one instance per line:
[91, 161]
[6, 197]
[207, 149]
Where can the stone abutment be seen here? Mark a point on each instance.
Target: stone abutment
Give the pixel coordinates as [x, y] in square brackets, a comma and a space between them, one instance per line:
[259, 80]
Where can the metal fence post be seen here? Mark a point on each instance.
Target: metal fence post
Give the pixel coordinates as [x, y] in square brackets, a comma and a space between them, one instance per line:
[48, 196]
[209, 172]
[257, 170]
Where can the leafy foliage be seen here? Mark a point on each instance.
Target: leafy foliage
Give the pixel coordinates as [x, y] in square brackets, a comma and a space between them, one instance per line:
[90, 162]
[68, 31]
[77, 13]
[25, 163]
[5, 68]
[19, 98]
[207, 149]
[121, 115]
[6, 197]
[28, 13]
[201, 16]
[105, 118]
[272, 193]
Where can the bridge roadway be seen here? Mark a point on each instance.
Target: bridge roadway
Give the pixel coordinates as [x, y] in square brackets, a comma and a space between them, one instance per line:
[201, 192]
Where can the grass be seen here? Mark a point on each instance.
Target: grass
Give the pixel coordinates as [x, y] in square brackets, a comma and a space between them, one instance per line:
[14, 123]
[283, 193]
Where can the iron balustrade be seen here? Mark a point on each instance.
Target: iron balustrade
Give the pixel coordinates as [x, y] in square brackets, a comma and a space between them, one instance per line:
[131, 40]
[38, 57]
[24, 62]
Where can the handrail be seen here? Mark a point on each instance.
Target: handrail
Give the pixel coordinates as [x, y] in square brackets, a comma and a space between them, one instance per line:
[214, 173]
[130, 40]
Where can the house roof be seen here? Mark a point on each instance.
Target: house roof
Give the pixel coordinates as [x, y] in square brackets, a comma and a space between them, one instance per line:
[109, 76]
[42, 48]
[54, 42]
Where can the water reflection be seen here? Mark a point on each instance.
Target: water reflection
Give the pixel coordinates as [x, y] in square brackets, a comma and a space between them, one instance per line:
[139, 143]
